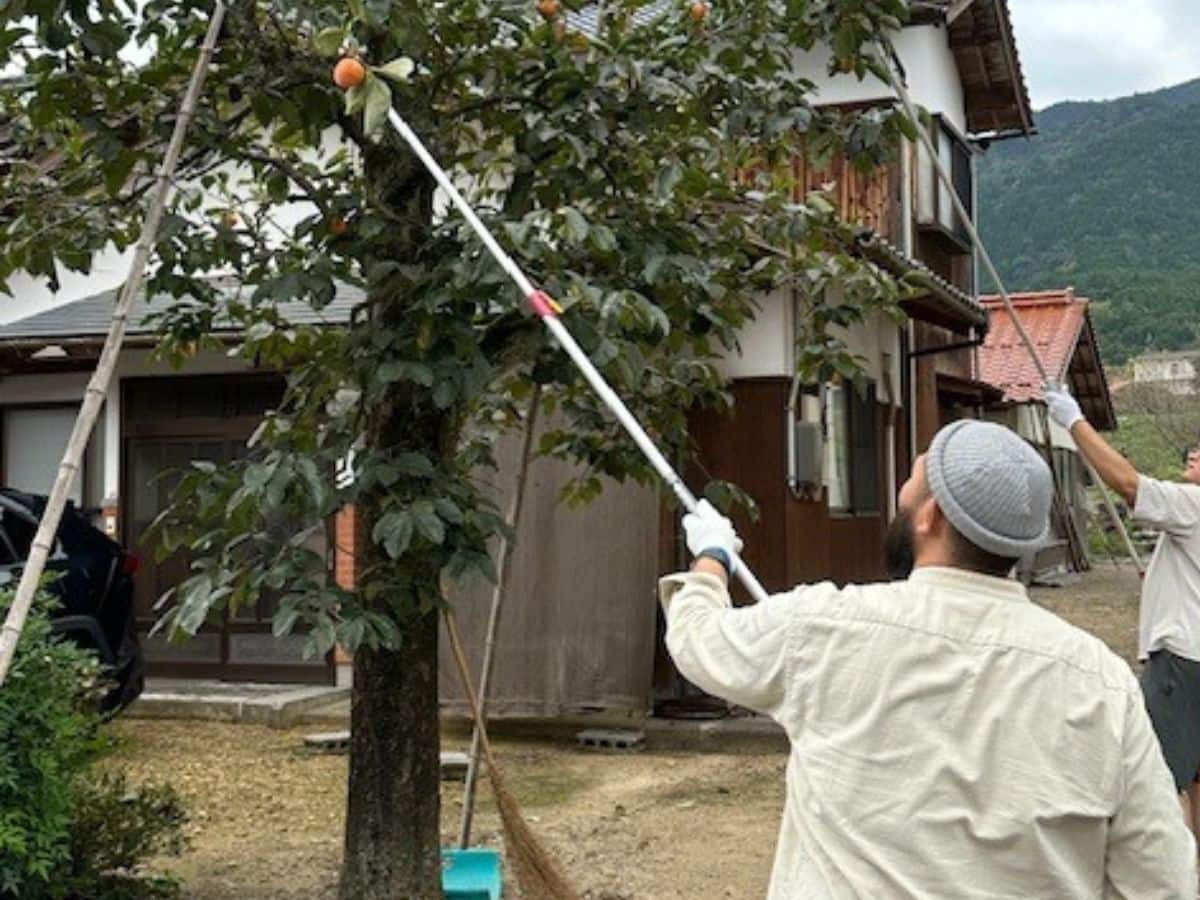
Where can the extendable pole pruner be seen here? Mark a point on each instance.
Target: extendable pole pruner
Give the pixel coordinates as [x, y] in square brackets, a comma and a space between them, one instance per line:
[548, 311]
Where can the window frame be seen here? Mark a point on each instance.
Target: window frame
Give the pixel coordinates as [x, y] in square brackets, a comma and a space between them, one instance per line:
[859, 492]
[956, 153]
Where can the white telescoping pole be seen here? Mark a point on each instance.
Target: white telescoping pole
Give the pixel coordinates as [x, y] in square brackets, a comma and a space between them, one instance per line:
[548, 311]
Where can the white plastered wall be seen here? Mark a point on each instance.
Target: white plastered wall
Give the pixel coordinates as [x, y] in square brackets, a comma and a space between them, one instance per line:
[876, 341]
[765, 344]
[933, 79]
[1029, 426]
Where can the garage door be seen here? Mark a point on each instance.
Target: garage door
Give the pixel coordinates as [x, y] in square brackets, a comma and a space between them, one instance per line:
[34, 439]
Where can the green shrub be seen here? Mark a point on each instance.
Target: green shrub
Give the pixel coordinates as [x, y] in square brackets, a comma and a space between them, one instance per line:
[66, 831]
[116, 827]
[46, 739]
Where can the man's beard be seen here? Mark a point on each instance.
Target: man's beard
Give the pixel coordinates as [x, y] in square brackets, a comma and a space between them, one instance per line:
[898, 547]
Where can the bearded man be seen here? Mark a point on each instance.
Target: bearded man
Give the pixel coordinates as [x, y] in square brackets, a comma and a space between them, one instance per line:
[949, 738]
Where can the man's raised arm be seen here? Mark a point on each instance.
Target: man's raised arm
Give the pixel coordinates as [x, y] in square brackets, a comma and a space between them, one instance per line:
[1113, 468]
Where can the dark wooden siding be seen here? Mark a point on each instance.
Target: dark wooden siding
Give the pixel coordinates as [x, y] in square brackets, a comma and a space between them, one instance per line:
[794, 541]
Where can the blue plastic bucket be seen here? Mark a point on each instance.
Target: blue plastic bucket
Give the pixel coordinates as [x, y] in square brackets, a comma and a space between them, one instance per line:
[471, 875]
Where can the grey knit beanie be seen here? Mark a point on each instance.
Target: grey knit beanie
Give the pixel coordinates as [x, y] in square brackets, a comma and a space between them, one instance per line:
[992, 486]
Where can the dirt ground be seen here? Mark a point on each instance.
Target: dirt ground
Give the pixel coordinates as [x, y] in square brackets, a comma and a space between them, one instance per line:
[267, 816]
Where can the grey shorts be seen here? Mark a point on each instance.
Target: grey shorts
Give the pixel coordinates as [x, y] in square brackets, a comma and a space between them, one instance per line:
[1171, 685]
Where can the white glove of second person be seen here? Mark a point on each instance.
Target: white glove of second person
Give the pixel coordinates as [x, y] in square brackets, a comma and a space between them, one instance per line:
[1062, 406]
[707, 529]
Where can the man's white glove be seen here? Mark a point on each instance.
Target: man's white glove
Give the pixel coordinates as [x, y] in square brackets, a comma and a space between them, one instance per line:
[707, 529]
[1062, 406]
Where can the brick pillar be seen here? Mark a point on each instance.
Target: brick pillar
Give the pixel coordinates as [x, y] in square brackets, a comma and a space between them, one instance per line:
[347, 531]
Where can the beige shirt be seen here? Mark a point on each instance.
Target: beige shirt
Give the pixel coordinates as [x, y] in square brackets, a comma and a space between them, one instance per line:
[950, 739]
[1170, 613]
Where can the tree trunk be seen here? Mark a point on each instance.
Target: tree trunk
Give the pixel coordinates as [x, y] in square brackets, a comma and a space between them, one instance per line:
[393, 828]
[392, 848]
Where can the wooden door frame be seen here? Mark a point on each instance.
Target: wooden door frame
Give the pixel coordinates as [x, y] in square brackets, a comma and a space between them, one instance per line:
[200, 428]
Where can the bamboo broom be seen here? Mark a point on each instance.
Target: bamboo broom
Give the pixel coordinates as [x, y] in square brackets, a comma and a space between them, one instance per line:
[97, 388]
[537, 873]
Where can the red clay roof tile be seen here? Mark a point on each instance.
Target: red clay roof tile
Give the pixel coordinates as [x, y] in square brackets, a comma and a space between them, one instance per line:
[1054, 321]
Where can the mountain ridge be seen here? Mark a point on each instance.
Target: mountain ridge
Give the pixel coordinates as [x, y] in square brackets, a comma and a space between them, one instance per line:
[1106, 199]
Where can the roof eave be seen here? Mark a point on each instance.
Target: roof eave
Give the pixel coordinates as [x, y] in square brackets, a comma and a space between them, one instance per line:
[958, 306]
[1014, 115]
[1108, 408]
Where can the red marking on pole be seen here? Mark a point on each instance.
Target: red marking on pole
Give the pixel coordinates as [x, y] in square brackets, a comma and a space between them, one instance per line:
[543, 304]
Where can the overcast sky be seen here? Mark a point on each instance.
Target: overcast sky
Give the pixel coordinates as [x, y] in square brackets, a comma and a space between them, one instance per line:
[1099, 49]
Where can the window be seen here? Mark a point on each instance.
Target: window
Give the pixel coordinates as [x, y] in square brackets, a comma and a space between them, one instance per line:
[935, 206]
[852, 450]
[837, 449]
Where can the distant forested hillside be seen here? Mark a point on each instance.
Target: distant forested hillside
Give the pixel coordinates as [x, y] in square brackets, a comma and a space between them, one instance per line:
[1106, 198]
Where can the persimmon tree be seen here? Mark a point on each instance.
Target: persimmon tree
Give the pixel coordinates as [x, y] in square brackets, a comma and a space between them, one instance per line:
[636, 164]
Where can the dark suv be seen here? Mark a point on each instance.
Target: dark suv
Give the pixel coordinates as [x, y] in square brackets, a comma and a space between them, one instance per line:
[94, 586]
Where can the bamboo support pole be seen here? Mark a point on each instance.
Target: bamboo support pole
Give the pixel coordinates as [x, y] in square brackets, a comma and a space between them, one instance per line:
[507, 547]
[97, 388]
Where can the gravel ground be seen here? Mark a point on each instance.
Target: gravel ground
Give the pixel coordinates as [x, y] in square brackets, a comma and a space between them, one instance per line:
[1104, 603]
[267, 816]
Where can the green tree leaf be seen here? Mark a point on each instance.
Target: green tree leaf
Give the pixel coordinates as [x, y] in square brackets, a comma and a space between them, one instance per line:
[376, 105]
[429, 524]
[398, 70]
[449, 510]
[576, 225]
[329, 41]
[284, 622]
[416, 465]
[394, 532]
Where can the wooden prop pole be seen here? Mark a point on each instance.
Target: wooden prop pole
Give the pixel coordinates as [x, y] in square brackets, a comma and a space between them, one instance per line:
[97, 388]
[503, 580]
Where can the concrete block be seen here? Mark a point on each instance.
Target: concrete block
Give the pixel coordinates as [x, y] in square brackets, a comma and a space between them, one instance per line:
[606, 739]
[328, 742]
[454, 765]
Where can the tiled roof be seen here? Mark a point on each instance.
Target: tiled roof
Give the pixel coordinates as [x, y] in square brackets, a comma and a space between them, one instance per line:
[1053, 320]
[959, 305]
[90, 316]
[586, 19]
[1060, 328]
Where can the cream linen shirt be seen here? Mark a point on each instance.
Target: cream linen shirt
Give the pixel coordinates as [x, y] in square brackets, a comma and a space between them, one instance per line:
[1170, 611]
[949, 739]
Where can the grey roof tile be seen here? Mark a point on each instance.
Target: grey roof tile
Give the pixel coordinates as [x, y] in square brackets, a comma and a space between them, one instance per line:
[585, 19]
[90, 317]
